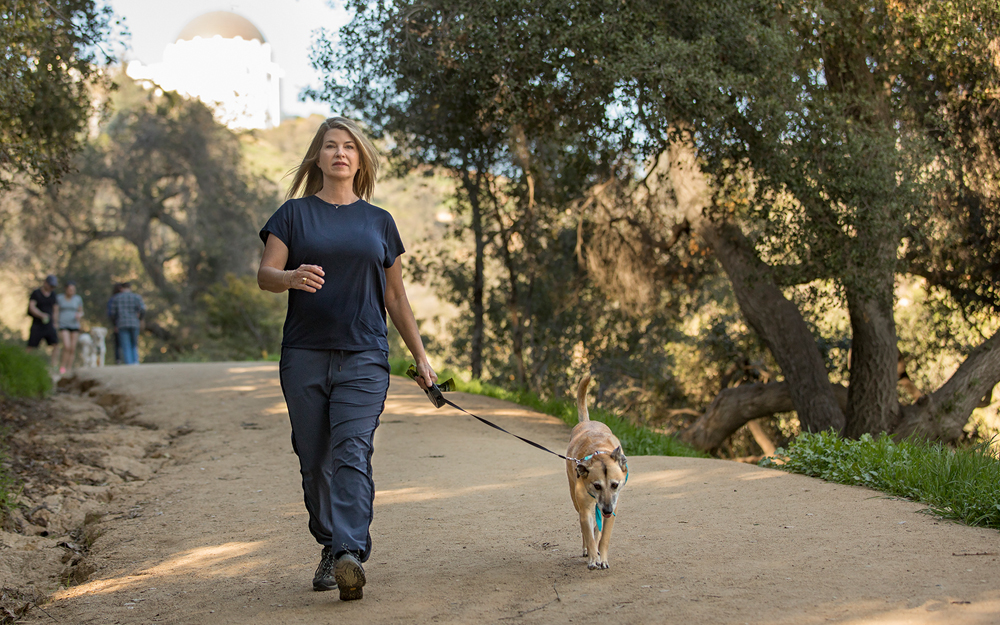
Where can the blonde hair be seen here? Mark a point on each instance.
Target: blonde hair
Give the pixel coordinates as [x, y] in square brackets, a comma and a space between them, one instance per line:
[309, 175]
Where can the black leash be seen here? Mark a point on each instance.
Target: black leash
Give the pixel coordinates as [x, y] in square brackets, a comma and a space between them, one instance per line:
[495, 426]
[435, 394]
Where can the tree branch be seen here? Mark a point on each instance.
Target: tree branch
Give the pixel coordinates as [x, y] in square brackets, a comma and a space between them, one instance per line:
[942, 415]
[734, 407]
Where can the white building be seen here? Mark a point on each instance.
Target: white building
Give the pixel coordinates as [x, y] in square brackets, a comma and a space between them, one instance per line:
[222, 59]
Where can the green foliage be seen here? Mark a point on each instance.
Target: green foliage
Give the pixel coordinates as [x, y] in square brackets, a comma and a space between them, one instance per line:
[958, 484]
[636, 440]
[50, 66]
[23, 374]
[244, 320]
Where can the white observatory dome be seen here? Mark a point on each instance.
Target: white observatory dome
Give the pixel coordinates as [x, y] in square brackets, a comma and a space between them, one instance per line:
[224, 60]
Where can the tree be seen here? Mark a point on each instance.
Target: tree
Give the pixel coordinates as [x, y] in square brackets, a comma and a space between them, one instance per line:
[854, 129]
[51, 67]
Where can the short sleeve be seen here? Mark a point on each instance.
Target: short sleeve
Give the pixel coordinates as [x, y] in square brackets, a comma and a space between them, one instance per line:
[279, 225]
[393, 244]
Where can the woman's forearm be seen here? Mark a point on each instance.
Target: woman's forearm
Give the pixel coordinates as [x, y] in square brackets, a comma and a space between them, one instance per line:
[273, 279]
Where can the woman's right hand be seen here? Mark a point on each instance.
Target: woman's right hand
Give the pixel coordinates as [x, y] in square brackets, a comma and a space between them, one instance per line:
[308, 278]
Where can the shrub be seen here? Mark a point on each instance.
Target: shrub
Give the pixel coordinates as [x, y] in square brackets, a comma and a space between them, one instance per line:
[244, 321]
[23, 374]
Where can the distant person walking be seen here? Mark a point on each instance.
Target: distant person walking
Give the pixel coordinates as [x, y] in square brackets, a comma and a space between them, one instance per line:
[70, 313]
[127, 312]
[115, 290]
[42, 308]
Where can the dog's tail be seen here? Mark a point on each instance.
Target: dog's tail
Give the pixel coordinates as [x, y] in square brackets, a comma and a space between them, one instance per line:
[581, 400]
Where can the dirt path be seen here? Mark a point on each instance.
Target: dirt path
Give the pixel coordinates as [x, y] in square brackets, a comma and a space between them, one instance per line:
[473, 526]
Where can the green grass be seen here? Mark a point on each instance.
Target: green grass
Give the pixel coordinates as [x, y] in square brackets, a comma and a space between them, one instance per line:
[960, 484]
[636, 440]
[23, 374]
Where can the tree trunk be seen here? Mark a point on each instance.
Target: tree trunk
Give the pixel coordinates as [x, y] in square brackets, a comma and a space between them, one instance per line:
[873, 401]
[763, 440]
[734, 407]
[516, 329]
[942, 415]
[474, 188]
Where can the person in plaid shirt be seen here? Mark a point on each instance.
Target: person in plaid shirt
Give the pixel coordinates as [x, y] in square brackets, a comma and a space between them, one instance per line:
[126, 311]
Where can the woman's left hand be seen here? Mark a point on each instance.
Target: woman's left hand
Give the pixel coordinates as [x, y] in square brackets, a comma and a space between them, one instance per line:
[425, 375]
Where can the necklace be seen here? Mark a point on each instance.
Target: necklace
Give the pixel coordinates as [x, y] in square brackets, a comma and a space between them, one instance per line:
[336, 206]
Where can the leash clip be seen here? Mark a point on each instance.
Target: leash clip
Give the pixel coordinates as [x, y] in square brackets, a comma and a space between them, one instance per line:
[434, 391]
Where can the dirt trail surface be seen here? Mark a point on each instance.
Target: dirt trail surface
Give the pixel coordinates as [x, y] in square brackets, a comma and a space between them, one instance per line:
[474, 526]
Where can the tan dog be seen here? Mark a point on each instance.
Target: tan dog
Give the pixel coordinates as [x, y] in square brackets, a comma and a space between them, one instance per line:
[597, 475]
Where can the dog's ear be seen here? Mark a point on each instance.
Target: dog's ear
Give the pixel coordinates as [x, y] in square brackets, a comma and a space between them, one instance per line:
[582, 470]
[620, 458]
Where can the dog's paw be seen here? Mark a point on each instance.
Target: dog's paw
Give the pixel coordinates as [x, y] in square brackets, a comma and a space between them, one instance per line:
[593, 566]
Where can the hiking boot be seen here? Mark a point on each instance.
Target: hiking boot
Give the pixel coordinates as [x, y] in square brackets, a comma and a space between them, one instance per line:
[350, 577]
[324, 579]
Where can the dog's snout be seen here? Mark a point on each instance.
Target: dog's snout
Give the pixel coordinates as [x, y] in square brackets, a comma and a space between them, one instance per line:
[607, 511]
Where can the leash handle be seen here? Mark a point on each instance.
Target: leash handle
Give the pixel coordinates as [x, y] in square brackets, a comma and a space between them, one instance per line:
[434, 391]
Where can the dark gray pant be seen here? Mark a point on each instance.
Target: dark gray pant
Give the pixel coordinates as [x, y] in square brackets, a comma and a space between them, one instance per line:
[334, 400]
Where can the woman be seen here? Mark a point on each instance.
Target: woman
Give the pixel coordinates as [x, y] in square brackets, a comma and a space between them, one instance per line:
[338, 257]
[70, 314]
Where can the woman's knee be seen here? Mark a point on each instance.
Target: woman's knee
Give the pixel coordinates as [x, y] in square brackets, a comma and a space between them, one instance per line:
[354, 453]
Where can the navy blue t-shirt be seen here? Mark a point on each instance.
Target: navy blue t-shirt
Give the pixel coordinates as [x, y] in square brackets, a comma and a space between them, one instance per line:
[354, 244]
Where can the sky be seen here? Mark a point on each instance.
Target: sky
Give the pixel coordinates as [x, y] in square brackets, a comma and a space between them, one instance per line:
[288, 25]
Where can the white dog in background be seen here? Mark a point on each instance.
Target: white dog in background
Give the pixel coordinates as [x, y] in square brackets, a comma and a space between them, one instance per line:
[92, 347]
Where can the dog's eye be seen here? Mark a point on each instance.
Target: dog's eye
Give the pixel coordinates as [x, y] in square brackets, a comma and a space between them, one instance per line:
[597, 487]
[614, 485]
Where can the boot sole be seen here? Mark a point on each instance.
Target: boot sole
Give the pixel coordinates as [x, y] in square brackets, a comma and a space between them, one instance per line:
[350, 579]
